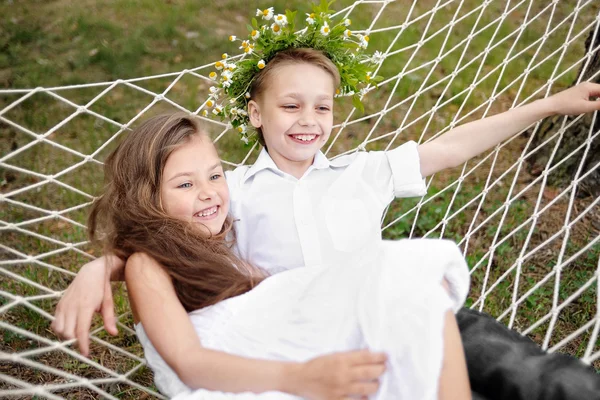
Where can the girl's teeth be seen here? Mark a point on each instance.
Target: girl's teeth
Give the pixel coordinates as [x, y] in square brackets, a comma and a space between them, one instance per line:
[208, 212]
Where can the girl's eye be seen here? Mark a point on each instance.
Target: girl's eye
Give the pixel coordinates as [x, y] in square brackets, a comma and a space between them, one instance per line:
[290, 106]
[215, 177]
[185, 185]
[323, 108]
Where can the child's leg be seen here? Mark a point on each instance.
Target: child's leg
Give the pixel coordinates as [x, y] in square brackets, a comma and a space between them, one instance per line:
[454, 380]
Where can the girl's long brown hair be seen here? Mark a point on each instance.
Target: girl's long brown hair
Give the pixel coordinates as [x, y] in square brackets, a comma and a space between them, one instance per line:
[129, 218]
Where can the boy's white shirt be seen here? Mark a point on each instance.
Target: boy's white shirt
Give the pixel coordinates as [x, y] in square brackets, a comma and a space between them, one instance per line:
[284, 223]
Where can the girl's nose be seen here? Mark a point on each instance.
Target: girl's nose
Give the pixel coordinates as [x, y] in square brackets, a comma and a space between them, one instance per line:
[206, 192]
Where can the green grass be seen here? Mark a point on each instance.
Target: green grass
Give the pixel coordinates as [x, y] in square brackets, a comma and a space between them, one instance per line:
[57, 43]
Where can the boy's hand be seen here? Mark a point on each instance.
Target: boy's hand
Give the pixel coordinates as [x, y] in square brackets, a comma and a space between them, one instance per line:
[90, 292]
[336, 376]
[579, 99]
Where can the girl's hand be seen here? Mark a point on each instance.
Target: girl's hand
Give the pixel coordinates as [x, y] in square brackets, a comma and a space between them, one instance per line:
[88, 293]
[341, 376]
[579, 99]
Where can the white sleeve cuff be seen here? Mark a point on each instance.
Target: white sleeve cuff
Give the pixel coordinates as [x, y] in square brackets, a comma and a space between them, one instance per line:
[406, 171]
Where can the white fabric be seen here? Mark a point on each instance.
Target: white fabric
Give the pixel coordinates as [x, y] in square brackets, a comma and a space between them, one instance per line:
[326, 217]
[396, 304]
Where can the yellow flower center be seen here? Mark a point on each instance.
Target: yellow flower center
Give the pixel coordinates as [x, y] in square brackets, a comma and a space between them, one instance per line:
[224, 56]
[254, 33]
[366, 38]
[265, 12]
[244, 44]
[276, 28]
[209, 103]
[219, 64]
[326, 29]
[312, 15]
[240, 129]
[212, 75]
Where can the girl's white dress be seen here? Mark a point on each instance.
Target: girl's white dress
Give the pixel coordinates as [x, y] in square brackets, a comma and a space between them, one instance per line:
[394, 304]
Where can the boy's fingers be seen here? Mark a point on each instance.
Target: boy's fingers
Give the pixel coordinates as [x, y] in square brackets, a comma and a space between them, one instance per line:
[84, 323]
[108, 311]
[69, 325]
[58, 324]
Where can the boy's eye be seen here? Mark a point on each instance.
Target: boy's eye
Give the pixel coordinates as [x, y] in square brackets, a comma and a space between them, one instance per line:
[323, 108]
[215, 177]
[185, 185]
[290, 106]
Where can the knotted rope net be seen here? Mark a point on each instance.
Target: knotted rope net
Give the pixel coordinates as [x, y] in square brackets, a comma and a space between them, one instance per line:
[525, 213]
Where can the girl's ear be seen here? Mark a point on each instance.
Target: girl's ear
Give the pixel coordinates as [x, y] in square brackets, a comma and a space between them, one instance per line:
[254, 114]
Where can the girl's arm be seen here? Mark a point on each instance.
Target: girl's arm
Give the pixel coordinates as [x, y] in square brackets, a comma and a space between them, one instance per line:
[454, 378]
[466, 141]
[171, 332]
[88, 293]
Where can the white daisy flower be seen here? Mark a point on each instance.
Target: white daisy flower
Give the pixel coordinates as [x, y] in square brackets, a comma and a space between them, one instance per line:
[242, 128]
[347, 34]
[368, 77]
[212, 75]
[204, 113]
[243, 112]
[249, 49]
[247, 95]
[224, 56]
[311, 18]
[213, 90]
[227, 75]
[261, 64]
[276, 29]
[219, 65]
[347, 22]
[226, 83]
[245, 44]
[267, 13]
[363, 41]
[378, 57]
[281, 20]
[255, 34]
[325, 29]
[232, 38]
[244, 139]
[209, 103]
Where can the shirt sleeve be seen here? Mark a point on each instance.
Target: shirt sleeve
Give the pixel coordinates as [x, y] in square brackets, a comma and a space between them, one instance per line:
[405, 167]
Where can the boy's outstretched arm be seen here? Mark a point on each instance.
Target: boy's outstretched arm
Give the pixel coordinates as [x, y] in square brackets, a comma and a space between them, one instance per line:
[466, 141]
[90, 292]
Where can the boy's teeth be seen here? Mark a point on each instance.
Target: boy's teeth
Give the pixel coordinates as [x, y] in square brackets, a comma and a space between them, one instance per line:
[305, 138]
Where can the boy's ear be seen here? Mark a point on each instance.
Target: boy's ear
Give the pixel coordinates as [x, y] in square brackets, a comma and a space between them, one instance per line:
[254, 114]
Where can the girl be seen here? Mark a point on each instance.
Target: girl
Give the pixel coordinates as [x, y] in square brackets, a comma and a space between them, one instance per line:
[165, 210]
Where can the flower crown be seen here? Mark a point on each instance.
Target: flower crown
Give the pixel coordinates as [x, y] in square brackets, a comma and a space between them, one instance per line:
[343, 47]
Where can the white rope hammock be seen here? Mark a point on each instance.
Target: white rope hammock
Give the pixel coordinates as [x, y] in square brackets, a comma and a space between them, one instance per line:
[534, 249]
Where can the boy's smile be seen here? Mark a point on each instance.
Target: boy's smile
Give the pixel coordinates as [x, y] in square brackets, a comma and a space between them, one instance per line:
[295, 114]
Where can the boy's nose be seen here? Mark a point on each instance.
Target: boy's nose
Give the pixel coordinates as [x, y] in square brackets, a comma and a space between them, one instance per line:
[307, 118]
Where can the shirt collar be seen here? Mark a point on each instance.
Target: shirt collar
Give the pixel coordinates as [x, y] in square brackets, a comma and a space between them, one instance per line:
[264, 161]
